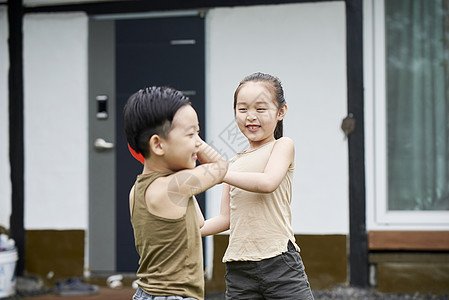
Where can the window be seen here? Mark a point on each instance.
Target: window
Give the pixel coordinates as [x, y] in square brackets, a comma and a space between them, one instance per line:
[407, 111]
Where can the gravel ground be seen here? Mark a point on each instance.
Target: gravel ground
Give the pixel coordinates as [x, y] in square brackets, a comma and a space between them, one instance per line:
[351, 293]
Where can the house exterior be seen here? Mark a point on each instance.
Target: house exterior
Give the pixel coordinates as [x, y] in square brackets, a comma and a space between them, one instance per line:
[371, 205]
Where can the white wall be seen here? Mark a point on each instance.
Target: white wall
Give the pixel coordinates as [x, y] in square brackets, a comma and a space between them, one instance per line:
[56, 125]
[305, 46]
[5, 181]
[302, 44]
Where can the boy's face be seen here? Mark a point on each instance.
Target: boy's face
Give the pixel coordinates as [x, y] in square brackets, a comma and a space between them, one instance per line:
[183, 141]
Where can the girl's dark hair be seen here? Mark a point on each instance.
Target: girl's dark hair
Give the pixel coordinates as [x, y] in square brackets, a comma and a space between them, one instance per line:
[274, 85]
[148, 112]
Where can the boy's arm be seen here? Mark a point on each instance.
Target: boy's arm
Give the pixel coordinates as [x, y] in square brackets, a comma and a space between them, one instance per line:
[219, 223]
[281, 158]
[182, 185]
[131, 200]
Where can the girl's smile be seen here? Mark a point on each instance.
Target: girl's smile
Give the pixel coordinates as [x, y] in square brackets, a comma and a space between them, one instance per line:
[257, 114]
[252, 127]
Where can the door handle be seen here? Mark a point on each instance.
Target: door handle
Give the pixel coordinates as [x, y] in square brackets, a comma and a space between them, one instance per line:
[101, 145]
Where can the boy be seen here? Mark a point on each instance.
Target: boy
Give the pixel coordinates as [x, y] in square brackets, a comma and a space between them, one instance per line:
[160, 123]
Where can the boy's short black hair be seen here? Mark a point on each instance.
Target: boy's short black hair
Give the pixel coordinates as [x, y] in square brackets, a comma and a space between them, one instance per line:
[148, 112]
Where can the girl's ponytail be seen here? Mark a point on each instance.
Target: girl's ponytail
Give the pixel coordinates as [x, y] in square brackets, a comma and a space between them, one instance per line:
[279, 130]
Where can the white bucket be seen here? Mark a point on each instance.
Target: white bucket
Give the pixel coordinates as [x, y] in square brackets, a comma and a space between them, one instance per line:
[8, 261]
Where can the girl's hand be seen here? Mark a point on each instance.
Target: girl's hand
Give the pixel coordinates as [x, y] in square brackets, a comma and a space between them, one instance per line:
[207, 154]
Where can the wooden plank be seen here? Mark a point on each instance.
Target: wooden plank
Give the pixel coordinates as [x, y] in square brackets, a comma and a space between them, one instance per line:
[408, 257]
[408, 240]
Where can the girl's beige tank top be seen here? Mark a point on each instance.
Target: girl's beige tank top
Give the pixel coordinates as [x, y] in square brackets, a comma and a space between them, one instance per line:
[260, 224]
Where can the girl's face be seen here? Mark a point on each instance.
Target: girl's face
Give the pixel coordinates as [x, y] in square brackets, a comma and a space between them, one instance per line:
[183, 141]
[257, 114]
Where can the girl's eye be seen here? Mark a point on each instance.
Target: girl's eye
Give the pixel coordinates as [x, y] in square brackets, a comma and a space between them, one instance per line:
[242, 109]
[261, 109]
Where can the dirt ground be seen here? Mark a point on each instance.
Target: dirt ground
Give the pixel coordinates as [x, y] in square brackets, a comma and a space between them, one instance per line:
[341, 293]
[34, 290]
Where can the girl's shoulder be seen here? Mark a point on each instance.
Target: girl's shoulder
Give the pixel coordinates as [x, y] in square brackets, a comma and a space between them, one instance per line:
[284, 141]
[284, 150]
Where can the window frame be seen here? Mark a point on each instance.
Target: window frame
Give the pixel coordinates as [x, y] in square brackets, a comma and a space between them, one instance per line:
[378, 216]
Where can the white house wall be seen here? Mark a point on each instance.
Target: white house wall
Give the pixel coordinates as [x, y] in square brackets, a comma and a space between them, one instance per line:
[55, 93]
[5, 182]
[302, 44]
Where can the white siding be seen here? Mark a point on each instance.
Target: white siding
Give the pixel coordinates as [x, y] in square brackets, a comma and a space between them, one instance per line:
[5, 181]
[302, 44]
[55, 92]
[305, 46]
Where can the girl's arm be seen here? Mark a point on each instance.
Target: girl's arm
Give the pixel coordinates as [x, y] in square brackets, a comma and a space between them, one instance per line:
[281, 158]
[199, 213]
[219, 223]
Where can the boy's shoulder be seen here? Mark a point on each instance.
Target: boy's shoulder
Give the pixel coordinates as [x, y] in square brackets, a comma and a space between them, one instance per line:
[167, 196]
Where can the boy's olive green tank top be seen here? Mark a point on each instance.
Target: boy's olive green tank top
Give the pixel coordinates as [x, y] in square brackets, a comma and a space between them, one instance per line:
[170, 250]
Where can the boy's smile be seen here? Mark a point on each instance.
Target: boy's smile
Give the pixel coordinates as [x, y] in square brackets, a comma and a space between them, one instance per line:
[183, 141]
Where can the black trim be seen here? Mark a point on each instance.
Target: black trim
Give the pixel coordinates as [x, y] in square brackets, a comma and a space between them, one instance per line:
[358, 247]
[138, 6]
[16, 132]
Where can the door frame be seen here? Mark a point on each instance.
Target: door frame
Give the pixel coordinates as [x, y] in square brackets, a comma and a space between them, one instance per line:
[101, 256]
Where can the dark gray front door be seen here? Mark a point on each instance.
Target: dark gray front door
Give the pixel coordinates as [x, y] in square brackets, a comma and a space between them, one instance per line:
[155, 51]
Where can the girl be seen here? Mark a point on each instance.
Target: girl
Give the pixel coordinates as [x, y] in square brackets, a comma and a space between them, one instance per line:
[262, 258]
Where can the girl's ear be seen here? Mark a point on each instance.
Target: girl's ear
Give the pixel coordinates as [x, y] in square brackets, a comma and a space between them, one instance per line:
[157, 145]
[282, 112]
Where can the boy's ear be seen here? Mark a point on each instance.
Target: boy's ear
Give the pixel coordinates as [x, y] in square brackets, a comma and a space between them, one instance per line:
[282, 112]
[157, 145]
